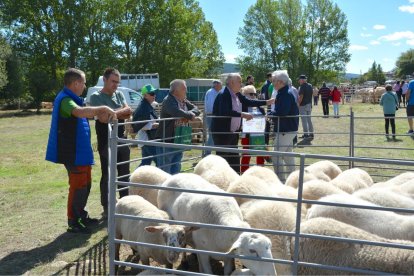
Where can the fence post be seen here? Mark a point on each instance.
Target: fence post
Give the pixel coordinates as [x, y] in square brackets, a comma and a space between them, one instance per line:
[113, 143]
[351, 137]
[298, 215]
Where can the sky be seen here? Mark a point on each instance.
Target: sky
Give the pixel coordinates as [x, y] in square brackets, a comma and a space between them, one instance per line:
[378, 30]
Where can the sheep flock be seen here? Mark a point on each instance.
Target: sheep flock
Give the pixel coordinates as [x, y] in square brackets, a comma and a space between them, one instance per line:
[258, 199]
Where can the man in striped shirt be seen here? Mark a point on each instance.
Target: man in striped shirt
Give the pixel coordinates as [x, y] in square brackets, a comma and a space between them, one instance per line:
[325, 93]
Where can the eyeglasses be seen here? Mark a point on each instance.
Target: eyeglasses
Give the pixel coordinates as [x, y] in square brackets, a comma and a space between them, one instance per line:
[151, 94]
[252, 94]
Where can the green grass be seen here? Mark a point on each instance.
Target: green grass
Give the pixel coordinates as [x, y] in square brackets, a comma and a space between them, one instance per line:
[33, 192]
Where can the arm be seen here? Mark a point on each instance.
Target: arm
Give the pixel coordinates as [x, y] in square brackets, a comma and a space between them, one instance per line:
[104, 113]
[407, 96]
[192, 108]
[171, 108]
[124, 112]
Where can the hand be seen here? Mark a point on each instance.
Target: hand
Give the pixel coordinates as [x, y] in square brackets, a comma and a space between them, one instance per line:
[106, 114]
[270, 101]
[155, 125]
[246, 116]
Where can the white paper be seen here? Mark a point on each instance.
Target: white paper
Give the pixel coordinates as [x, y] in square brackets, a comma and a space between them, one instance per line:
[255, 125]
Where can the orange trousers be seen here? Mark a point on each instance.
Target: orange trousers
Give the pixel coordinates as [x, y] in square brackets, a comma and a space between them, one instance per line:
[79, 188]
[245, 160]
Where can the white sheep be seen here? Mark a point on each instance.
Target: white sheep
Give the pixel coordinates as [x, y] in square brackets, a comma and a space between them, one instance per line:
[400, 179]
[149, 175]
[214, 210]
[354, 255]
[143, 231]
[293, 178]
[325, 166]
[263, 173]
[216, 170]
[382, 223]
[250, 185]
[352, 180]
[315, 189]
[385, 197]
[273, 215]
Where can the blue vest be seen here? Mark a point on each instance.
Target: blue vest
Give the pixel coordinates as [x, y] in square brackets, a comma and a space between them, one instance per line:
[69, 138]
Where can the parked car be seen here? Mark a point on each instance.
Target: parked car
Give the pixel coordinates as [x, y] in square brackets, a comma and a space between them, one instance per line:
[132, 97]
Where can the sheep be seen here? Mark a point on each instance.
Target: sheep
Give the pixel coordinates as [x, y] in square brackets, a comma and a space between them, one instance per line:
[147, 175]
[385, 198]
[343, 254]
[250, 185]
[273, 215]
[293, 178]
[216, 170]
[315, 189]
[142, 231]
[381, 223]
[214, 210]
[325, 166]
[400, 179]
[263, 173]
[352, 180]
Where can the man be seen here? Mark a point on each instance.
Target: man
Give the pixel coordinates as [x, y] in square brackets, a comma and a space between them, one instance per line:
[410, 106]
[250, 80]
[264, 91]
[175, 105]
[109, 96]
[146, 131]
[305, 107]
[229, 103]
[325, 93]
[209, 99]
[285, 128]
[70, 144]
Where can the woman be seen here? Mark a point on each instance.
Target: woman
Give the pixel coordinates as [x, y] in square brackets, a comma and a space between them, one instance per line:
[336, 99]
[250, 92]
[389, 103]
[397, 89]
[404, 88]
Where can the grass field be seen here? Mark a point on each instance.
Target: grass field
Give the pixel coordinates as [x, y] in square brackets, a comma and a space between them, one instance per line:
[33, 192]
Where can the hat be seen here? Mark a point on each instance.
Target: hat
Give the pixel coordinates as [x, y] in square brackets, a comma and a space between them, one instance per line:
[303, 77]
[216, 82]
[147, 89]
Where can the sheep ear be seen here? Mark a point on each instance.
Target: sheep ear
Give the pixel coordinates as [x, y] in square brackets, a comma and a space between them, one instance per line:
[235, 246]
[189, 229]
[153, 229]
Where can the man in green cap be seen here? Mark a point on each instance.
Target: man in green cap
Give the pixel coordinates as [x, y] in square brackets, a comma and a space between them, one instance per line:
[146, 131]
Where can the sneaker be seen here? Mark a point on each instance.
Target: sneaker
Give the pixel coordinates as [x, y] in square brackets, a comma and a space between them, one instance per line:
[410, 131]
[90, 221]
[78, 227]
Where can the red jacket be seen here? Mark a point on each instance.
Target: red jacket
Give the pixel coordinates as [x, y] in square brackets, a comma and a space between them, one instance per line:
[336, 95]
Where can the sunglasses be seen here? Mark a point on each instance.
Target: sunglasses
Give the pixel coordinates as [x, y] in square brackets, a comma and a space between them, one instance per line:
[252, 94]
[151, 94]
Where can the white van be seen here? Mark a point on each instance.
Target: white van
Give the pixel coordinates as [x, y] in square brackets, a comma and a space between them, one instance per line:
[132, 97]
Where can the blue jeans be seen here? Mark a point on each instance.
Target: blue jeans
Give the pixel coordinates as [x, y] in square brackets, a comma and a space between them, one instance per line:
[170, 159]
[148, 151]
[210, 141]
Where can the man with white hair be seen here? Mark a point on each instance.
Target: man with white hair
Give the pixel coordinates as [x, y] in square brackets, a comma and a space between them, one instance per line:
[285, 127]
[175, 105]
[226, 130]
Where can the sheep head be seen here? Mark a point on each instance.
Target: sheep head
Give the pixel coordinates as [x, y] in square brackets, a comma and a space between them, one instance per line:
[174, 236]
[254, 245]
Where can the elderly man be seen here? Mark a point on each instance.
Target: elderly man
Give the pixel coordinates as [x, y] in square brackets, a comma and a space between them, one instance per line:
[175, 105]
[229, 103]
[111, 97]
[285, 127]
[305, 107]
[209, 99]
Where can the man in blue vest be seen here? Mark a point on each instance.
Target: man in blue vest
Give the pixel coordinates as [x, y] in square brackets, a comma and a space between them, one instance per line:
[70, 144]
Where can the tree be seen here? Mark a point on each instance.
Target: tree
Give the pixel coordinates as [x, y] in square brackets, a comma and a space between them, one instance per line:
[15, 86]
[5, 52]
[375, 73]
[405, 64]
[283, 34]
[39, 85]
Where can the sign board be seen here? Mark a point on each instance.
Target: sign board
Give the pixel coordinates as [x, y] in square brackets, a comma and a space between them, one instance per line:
[255, 125]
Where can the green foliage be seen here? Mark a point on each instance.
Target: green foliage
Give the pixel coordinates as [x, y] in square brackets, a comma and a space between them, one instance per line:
[5, 52]
[307, 39]
[40, 86]
[15, 86]
[405, 64]
[375, 73]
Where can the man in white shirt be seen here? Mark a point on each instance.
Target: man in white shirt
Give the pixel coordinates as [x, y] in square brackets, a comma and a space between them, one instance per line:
[209, 99]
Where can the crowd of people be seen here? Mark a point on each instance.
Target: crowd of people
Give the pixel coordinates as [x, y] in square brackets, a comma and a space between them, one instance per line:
[278, 101]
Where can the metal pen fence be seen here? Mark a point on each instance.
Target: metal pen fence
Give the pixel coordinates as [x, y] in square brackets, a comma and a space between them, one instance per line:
[302, 160]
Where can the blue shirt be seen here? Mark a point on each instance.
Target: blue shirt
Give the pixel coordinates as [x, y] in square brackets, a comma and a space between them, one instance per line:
[389, 102]
[411, 88]
[209, 99]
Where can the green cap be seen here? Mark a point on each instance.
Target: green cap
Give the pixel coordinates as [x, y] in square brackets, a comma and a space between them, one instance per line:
[147, 89]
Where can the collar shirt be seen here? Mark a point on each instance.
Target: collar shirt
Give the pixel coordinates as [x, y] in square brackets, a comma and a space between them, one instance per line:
[209, 99]
[236, 106]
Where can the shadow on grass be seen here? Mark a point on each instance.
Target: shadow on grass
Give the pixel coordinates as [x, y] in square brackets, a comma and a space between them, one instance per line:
[24, 113]
[17, 263]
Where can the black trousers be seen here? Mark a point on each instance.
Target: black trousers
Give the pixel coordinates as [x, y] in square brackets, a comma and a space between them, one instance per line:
[389, 120]
[325, 106]
[228, 141]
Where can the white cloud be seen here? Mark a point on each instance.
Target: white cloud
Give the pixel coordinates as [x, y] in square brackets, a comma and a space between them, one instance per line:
[398, 36]
[366, 35]
[230, 58]
[358, 47]
[379, 27]
[374, 42]
[410, 42]
[396, 43]
[407, 8]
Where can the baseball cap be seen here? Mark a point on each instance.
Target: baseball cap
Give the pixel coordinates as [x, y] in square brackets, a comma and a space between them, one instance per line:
[303, 77]
[147, 89]
[216, 82]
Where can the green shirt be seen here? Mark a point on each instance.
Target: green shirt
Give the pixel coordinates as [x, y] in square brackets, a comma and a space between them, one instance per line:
[116, 101]
[67, 105]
